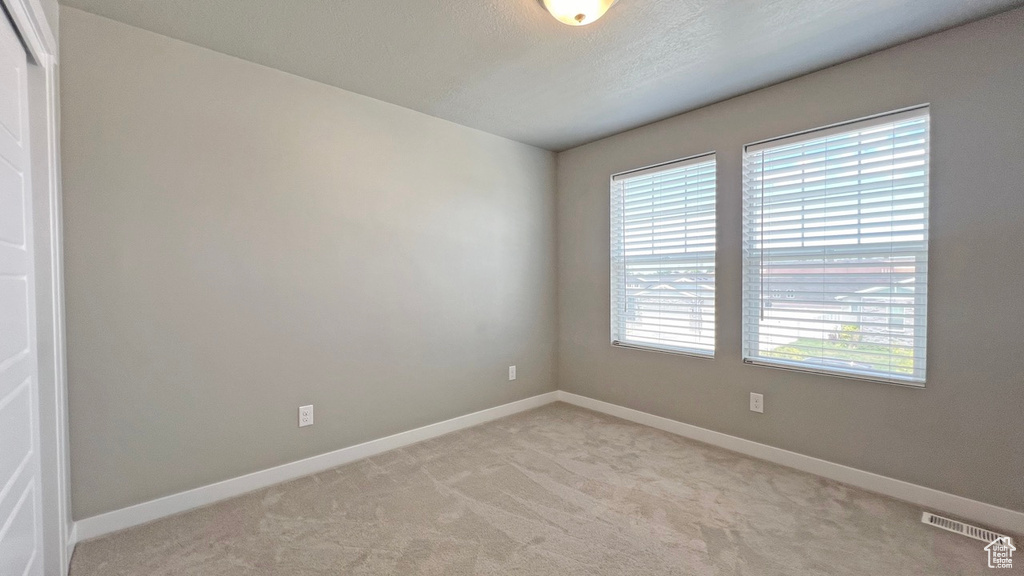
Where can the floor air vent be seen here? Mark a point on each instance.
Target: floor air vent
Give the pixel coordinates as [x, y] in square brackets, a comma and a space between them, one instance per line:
[961, 528]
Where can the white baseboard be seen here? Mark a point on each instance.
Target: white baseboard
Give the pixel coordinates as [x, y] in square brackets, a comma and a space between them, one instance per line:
[96, 526]
[986, 514]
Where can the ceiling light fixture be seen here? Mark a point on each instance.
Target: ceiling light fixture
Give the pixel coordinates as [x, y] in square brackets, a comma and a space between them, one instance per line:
[577, 12]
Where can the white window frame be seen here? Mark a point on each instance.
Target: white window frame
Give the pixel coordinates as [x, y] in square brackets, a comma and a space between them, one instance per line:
[752, 258]
[617, 276]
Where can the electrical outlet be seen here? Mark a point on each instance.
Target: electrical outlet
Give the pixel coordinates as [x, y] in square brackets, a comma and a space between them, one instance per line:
[305, 416]
[511, 373]
[756, 402]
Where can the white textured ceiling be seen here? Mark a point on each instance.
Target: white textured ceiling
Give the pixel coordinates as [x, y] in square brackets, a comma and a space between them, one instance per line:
[507, 67]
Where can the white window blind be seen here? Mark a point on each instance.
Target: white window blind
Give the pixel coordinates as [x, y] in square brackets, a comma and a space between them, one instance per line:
[835, 249]
[663, 257]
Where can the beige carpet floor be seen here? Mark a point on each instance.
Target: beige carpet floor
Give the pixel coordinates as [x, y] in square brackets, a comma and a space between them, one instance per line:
[554, 491]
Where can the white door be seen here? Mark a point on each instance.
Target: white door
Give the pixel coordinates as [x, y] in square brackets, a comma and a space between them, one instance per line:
[20, 499]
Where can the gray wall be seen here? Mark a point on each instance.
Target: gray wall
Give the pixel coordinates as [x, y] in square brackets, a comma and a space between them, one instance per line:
[963, 433]
[51, 9]
[240, 241]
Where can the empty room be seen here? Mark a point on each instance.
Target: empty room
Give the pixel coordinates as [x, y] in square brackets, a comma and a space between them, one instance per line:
[511, 287]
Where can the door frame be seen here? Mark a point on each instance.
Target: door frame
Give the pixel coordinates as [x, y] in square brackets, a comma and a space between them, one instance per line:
[30, 23]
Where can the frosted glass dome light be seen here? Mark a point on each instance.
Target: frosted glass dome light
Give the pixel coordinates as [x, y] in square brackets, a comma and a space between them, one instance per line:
[577, 12]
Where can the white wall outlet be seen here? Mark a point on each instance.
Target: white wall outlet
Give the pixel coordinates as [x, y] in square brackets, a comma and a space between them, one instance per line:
[756, 402]
[511, 373]
[305, 416]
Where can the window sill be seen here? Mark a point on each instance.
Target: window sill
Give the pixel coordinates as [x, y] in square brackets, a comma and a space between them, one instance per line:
[691, 354]
[834, 374]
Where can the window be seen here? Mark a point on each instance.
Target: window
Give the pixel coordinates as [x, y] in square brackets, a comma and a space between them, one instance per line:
[835, 249]
[663, 257]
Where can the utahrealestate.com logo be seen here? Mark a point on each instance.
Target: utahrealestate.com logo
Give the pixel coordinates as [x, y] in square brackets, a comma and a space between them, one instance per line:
[1000, 553]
